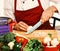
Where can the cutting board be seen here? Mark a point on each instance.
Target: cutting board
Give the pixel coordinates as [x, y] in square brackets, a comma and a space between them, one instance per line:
[37, 34]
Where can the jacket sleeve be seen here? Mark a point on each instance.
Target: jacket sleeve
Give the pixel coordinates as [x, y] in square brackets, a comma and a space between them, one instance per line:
[9, 9]
[56, 3]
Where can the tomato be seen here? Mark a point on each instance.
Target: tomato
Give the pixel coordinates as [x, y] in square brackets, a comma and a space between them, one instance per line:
[21, 39]
[18, 39]
[24, 40]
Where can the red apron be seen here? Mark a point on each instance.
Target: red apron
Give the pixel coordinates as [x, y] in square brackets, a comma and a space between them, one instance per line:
[31, 16]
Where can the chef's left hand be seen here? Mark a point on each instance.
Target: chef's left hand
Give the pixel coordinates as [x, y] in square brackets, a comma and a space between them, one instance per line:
[47, 14]
[21, 26]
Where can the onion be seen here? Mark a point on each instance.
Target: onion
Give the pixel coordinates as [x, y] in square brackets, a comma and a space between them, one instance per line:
[54, 42]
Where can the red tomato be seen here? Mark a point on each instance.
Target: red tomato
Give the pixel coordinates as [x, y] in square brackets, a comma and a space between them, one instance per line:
[18, 39]
[21, 39]
[24, 40]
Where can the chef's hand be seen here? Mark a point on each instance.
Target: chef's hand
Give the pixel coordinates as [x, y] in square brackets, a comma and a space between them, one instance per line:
[21, 26]
[48, 13]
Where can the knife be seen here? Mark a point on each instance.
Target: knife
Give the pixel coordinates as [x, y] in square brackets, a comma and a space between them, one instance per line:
[34, 27]
[38, 24]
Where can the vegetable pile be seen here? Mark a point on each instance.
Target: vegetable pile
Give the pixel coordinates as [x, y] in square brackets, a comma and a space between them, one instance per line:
[33, 45]
[8, 37]
[5, 40]
[10, 42]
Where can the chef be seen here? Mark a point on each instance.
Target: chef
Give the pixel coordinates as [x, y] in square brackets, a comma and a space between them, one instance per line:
[28, 12]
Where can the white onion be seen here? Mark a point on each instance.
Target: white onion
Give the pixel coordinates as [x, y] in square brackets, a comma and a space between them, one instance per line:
[47, 39]
[11, 44]
[54, 42]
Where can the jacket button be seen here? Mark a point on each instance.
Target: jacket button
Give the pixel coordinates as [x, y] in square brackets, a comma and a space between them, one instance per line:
[23, 2]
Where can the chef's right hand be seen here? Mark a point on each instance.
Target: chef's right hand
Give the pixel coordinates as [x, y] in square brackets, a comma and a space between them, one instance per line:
[21, 26]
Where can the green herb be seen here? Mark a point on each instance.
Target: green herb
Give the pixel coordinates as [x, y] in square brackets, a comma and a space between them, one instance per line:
[33, 45]
[8, 37]
[50, 35]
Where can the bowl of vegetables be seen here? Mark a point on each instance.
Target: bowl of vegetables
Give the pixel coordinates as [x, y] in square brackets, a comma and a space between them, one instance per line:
[50, 44]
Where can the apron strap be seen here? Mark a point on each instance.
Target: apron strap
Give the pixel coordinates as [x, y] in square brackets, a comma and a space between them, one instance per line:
[15, 5]
[39, 2]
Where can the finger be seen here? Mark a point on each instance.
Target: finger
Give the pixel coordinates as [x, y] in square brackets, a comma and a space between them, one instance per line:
[23, 24]
[17, 27]
[45, 18]
[23, 29]
[42, 19]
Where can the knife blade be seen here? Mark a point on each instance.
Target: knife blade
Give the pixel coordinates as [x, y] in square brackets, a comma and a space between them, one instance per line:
[34, 27]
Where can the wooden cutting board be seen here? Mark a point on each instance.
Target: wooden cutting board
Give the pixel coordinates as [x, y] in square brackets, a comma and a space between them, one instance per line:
[37, 34]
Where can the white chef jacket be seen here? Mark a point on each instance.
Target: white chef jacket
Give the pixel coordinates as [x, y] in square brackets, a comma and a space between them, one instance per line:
[29, 4]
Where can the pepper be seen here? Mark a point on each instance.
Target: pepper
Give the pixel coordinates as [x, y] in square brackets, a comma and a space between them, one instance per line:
[17, 47]
[24, 42]
[21, 40]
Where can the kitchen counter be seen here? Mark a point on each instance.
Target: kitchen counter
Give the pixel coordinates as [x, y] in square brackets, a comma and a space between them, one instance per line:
[37, 34]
